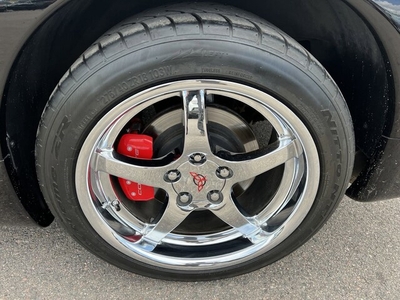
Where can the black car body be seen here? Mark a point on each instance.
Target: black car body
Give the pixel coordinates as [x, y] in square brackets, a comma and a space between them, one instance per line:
[357, 41]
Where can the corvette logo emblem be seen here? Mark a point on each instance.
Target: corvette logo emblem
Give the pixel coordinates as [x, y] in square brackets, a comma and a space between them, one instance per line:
[199, 180]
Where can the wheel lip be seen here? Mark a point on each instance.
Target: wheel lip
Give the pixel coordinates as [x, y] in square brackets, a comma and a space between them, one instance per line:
[145, 98]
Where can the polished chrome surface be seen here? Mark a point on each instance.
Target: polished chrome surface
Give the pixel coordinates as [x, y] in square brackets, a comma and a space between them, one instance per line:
[24, 5]
[196, 185]
[390, 7]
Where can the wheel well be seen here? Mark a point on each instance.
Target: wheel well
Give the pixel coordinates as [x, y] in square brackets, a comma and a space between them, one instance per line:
[330, 30]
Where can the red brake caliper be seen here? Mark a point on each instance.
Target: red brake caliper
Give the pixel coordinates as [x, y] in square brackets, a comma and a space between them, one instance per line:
[136, 146]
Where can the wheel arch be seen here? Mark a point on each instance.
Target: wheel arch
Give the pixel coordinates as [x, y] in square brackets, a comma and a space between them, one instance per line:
[71, 27]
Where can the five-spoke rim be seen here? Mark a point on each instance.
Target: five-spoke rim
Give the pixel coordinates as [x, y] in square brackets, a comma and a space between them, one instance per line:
[200, 179]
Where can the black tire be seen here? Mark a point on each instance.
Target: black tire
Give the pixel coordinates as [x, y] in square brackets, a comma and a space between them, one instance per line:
[193, 42]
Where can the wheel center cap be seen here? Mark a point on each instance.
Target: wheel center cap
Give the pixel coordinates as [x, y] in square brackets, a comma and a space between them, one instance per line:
[198, 180]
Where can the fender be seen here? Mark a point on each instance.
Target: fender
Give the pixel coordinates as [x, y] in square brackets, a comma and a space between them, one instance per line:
[382, 179]
[26, 17]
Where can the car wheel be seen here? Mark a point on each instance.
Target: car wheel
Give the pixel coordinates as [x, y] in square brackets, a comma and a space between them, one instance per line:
[194, 143]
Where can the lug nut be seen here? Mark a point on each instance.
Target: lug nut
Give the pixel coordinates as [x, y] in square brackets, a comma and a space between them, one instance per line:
[184, 198]
[224, 173]
[172, 176]
[215, 197]
[197, 158]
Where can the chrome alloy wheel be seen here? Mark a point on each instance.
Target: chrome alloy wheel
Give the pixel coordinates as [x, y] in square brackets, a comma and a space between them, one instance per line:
[201, 179]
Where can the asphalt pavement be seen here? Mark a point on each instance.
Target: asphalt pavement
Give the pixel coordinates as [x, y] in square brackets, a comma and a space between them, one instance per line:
[356, 255]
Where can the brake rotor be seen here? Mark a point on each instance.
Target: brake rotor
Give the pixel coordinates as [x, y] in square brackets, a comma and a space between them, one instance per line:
[228, 131]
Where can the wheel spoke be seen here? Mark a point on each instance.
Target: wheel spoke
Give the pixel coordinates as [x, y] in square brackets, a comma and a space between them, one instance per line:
[195, 122]
[106, 161]
[230, 214]
[121, 214]
[172, 217]
[294, 172]
[246, 166]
